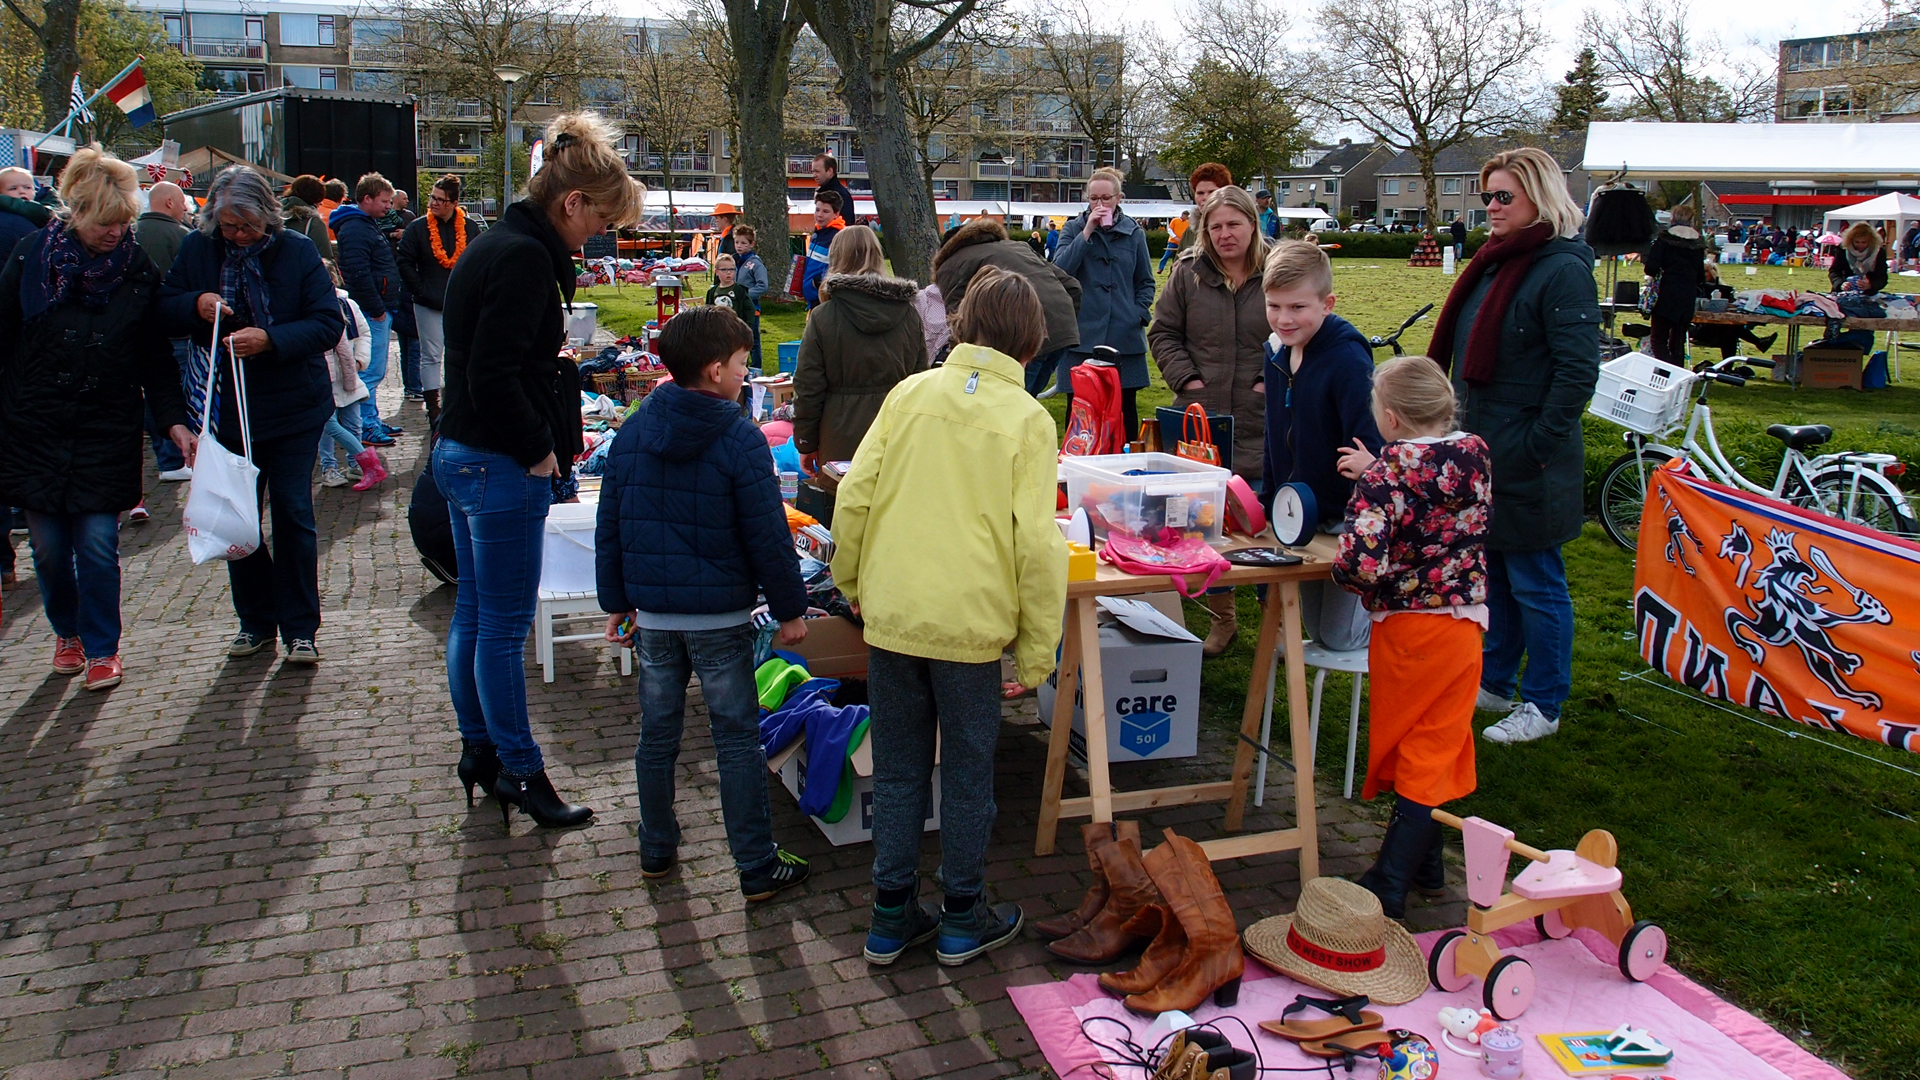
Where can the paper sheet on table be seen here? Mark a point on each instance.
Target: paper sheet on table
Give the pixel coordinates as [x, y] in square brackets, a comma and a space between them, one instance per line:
[1143, 617]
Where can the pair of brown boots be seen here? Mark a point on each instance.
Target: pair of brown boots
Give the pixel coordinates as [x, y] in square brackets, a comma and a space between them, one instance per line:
[1168, 895]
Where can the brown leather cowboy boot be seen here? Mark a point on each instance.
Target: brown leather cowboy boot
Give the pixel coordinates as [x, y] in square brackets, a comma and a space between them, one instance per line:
[1097, 835]
[1213, 962]
[1163, 954]
[1129, 890]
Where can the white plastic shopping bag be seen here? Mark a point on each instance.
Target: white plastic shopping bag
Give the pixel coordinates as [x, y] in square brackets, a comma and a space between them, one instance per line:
[222, 517]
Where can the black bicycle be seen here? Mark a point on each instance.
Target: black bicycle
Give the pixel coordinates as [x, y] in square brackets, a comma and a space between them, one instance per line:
[1383, 341]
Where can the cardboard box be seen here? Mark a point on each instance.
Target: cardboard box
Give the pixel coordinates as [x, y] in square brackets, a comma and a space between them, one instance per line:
[1830, 367]
[834, 648]
[857, 827]
[1151, 674]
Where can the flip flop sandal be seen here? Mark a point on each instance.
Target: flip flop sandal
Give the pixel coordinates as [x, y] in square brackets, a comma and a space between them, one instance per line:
[1354, 1044]
[1343, 1015]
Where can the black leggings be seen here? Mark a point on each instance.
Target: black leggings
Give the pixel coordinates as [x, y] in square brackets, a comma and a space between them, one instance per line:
[1129, 410]
[1668, 341]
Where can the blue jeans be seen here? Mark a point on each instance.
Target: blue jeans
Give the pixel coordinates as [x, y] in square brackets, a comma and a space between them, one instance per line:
[912, 698]
[277, 588]
[1040, 371]
[380, 332]
[342, 427]
[410, 363]
[166, 455]
[499, 517]
[1171, 252]
[77, 559]
[1530, 612]
[724, 661]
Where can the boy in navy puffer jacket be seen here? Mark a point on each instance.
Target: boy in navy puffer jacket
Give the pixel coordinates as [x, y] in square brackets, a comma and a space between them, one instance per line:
[691, 531]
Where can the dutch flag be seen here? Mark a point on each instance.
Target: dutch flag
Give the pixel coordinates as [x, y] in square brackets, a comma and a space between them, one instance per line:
[130, 93]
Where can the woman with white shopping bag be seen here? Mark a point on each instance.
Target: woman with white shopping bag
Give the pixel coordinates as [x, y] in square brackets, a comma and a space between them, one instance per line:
[83, 357]
[510, 425]
[273, 303]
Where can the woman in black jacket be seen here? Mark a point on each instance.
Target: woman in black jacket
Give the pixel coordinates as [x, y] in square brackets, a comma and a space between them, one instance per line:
[430, 247]
[277, 309]
[510, 428]
[1677, 261]
[83, 348]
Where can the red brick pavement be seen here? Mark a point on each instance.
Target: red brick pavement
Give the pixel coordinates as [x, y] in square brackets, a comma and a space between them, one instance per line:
[235, 869]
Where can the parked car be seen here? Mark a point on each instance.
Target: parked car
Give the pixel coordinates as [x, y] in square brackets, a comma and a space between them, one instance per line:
[1364, 226]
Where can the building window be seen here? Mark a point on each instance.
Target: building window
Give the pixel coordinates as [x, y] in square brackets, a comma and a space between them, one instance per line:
[456, 138]
[1389, 187]
[1450, 186]
[307, 78]
[1473, 185]
[1286, 187]
[1413, 187]
[307, 30]
[379, 82]
[1331, 187]
[176, 29]
[232, 80]
[1476, 219]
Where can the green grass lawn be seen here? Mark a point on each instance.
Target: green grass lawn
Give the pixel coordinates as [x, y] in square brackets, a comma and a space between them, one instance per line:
[1782, 863]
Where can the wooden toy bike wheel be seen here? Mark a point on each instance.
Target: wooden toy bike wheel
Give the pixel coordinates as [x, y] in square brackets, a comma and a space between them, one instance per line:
[1509, 988]
[1551, 925]
[1443, 964]
[1643, 948]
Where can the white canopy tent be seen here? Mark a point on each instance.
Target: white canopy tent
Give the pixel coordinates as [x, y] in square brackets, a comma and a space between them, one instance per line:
[1897, 207]
[1830, 153]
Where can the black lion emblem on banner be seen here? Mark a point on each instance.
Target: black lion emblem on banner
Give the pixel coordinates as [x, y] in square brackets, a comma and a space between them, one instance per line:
[1786, 612]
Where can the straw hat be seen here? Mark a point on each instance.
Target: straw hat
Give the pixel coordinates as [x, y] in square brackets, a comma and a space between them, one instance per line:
[1339, 940]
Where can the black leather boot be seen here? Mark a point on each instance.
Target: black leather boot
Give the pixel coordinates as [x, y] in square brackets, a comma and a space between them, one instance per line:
[479, 764]
[535, 797]
[1430, 878]
[1409, 840]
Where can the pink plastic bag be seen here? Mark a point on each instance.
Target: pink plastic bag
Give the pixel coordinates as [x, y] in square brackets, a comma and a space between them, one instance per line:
[1132, 555]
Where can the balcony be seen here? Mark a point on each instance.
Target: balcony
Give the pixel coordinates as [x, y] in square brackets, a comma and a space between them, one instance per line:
[1053, 170]
[439, 108]
[992, 170]
[229, 49]
[379, 55]
[802, 165]
[450, 159]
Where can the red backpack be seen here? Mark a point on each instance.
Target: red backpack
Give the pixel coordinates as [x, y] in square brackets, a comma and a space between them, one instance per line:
[1095, 424]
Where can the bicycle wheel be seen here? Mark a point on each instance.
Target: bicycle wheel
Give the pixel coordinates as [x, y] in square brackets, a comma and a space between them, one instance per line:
[1623, 494]
[1862, 496]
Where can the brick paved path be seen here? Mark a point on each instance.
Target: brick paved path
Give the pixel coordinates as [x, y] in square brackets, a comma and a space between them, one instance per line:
[233, 869]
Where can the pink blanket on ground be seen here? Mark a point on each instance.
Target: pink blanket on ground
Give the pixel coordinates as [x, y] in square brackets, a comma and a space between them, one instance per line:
[1580, 989]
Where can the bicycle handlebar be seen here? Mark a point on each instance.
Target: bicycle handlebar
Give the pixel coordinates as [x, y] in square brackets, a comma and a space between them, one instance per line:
[1727, 377]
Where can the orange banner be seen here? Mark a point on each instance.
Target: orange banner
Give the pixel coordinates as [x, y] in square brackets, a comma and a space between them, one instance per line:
[1798, 615]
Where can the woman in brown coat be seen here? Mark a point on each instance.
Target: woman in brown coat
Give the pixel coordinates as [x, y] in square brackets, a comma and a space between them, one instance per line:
[863, 339]
[1211, 320]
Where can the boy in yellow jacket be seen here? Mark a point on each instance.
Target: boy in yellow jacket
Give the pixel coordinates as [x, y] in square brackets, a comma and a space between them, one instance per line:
[947, 548]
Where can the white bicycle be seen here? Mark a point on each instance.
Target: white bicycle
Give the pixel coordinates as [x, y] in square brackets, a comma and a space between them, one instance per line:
[1853, 486]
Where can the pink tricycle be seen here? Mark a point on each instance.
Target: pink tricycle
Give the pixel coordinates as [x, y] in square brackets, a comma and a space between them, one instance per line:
[1560, 891]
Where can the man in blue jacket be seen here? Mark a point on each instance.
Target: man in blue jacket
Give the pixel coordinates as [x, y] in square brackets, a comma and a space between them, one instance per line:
[691, 532]
[373, 281]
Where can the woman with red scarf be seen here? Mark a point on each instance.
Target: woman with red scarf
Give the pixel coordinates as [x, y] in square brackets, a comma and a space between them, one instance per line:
[429, 247]
[1520, 335]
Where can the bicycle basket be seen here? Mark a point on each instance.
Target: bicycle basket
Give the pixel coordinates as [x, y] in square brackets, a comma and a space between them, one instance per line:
[1641, 394]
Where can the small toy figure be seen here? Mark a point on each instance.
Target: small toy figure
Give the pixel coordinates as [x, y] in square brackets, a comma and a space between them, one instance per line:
[1466, 1024]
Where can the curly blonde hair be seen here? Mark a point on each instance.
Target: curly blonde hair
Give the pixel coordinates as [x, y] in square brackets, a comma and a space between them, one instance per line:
[99, 189]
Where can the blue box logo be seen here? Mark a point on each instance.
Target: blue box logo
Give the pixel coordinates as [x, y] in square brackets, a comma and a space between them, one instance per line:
[1144, 732]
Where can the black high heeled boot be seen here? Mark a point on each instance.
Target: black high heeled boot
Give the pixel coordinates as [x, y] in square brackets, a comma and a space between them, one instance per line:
[535, 797]
[1407, 844]
[1430, 877]
[479, 764]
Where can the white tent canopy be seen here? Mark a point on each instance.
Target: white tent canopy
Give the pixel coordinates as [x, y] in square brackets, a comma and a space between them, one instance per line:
[1830, 153]
[1897, 207]
[703, 202]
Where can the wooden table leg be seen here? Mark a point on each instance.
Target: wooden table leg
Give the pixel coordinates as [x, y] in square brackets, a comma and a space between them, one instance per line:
[1257, 696]
[1306, 812]
[1099, 785]
[1068, 685]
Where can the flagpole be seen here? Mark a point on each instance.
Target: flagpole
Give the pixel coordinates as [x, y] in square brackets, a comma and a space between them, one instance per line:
[71, 113]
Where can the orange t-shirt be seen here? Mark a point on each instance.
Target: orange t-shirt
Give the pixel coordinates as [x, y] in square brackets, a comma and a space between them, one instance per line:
[1178, 227]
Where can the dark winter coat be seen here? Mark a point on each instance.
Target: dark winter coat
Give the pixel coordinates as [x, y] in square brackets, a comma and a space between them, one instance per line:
[983, 242]
[1203, 331]
[306, 221]
[1529, 411]
[160, 237]
[1678, 259]
[288, 388]
[1876, 274]
[18, 219]
[74, 410]
[861, 341]
[691, 521]
[1116, 282]
[426, 279]
[1314, 413]
[508, 390]
[366, 261]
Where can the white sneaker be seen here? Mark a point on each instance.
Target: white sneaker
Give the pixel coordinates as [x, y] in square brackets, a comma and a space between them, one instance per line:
[1486, 702]
[184, 472]
[333, 478]
[1524, 724]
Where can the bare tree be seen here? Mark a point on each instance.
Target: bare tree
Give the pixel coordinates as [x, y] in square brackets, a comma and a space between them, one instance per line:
[873, 57]
[1425, 75]
[757, 69]
[670, 104]
[1090, 61]
[1665, 69]
[55, 24]
[970, 74]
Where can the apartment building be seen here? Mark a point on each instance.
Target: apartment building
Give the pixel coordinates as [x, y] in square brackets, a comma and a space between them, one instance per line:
[1457, 172]
[1851, 78]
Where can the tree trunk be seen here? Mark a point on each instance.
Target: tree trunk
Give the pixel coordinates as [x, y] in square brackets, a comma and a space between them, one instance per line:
[1429, 186]
[909, 231]
[60, 39]
[762, 36]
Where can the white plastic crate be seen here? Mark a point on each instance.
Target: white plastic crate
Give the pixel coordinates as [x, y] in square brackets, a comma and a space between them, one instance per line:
[1641, 394]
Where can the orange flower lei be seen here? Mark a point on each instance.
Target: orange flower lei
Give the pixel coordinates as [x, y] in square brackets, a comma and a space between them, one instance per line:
[459, 238]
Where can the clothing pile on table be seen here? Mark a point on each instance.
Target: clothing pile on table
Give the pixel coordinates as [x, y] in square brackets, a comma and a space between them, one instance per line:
[607, 269]
[1783, 303]
[831, 715]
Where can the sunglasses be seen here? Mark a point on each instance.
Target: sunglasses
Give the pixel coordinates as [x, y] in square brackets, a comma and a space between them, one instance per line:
[1505, 197]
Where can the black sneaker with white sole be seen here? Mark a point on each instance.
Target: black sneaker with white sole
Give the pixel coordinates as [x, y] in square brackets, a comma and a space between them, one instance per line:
[981, 929]
[302, 651]
[245, 644]
[785, 871]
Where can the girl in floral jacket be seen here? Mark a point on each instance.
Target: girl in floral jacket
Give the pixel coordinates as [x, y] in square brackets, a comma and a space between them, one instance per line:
[1415, 555]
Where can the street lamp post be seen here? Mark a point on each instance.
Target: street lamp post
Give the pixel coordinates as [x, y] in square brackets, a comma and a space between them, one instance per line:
[508, 74]
[1007, 160]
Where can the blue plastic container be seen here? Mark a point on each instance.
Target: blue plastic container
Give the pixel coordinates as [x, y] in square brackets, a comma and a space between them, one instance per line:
[789, 355]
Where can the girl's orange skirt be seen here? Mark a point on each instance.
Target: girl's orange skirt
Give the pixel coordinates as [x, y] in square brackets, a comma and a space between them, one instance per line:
[1426, 672]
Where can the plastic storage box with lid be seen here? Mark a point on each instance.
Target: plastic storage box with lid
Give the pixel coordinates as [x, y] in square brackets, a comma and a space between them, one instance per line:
[566, 557]
[583, 318]
[1641, 393]
[1157, 497]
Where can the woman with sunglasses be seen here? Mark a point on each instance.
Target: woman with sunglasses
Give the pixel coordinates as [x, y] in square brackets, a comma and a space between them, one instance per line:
[1520, 334]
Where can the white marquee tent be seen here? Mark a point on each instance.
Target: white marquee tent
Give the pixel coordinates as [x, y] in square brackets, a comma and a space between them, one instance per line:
[1830, 153]
[1897, 207]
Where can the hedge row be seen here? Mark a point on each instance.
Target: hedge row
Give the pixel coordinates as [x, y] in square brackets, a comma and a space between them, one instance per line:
[1352, 245]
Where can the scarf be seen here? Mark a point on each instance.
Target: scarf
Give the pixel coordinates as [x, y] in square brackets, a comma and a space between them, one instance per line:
[244, 286]
[1862, 262]
[61, 267]
[1507, 258]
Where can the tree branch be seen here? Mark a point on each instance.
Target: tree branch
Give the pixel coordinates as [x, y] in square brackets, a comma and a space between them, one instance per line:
[39, 29]
[904, 55]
